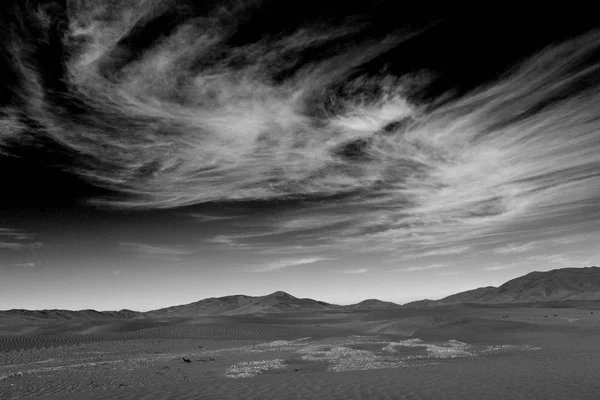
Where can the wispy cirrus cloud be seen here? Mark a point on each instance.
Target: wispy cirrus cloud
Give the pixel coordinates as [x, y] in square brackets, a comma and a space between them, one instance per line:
[288, 263]
[356, 271]
[175, 253]
[227, 240]
[20, 246]
[16, 234]
[17, 240]
[515, 248]
[500, 267]
[26, 265]
[210, 122]
[443, 251]
[570, 239]
[237, 241]
[420, 268]
[562, 260]
[545, 262]
[293, 249]
[211, 218]
[450, 273]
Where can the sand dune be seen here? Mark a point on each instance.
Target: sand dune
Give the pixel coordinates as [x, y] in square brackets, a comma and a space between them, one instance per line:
[67, 335]
[67, 314]
[395, 353]
[282, 347]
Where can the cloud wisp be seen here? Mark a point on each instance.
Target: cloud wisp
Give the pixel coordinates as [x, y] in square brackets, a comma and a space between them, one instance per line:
[160, 252]
[196, 118]
[562, 260]
[288, 263]
[17, 240]
[436, 252]
[420, 268]
[515, 248]
[501, 267]
[19, 246]
[356, 271]
[26, 265]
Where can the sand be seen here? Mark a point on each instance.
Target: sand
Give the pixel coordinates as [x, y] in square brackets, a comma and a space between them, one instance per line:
[450, 353]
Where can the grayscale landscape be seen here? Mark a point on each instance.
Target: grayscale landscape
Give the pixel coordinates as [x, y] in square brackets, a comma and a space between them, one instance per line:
[533, 337]
[269, 199]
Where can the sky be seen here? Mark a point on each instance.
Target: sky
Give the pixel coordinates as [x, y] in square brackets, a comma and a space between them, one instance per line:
[155, 153]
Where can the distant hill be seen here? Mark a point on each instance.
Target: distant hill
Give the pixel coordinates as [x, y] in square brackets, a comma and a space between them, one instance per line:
[565, 284]
[559, 286]
[419, 303]
[470, 296]
[372, 304]
[278, 302]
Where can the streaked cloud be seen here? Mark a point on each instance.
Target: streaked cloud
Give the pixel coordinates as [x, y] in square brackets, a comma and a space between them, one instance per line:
[17, 240]
[210, 218]
[563, 260]
[19, 246]
[420, 268]
[227, 240]
[450, 273]
[26, 265]
[570, 239]
[174, 253]
[288, 263]
[235, 241]
[499, 267]
[515, 248]
[13, 233]
[356, 271]
[438, 252]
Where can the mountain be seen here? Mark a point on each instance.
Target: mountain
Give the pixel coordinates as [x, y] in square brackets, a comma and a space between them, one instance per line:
[470, 296]
[372, 304]
[559, 285]
[420, 303]
[278, 302]
[573, 284]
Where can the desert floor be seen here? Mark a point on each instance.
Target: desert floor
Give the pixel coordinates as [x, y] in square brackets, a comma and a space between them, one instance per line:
[446, 353]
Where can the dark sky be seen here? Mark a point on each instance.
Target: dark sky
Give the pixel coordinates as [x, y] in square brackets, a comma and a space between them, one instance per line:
[334, 151]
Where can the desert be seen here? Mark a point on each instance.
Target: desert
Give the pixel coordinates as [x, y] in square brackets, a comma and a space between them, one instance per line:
[315, 200]
[281, 347]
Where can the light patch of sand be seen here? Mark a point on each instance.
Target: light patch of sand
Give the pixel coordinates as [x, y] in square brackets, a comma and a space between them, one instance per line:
[342, 354]
[248, 369]
[342, 358]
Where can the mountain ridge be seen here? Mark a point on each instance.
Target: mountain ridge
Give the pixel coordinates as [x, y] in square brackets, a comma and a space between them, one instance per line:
[557, 285]
[372, 303]
[561, 284]
[276, 302]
